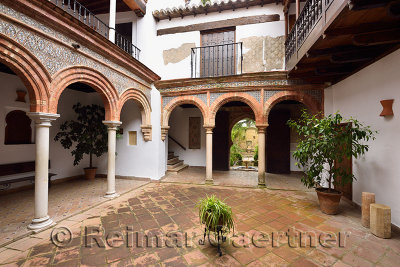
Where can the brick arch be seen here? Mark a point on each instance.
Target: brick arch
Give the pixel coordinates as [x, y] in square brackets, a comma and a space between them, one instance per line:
[299, 96]
[242, 97]
[94, 79]
[140, 98]
[184, 100]
[30, 70]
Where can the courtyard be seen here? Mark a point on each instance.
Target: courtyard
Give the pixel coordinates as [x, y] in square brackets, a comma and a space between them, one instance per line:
[113, 232]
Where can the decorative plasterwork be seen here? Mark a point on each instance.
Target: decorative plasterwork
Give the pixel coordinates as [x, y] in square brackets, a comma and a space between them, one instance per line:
[59, 55]
[146, 131]
[231, 85]
[202, 97]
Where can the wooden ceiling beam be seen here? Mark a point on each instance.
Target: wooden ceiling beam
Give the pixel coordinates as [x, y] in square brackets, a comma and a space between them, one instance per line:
[367, 4]
[391, 36]
[362, 28]
[347, 49]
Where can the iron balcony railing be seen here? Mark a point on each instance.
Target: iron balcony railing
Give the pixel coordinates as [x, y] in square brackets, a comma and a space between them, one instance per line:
[77, 10]
[309, 16]
[217, 60]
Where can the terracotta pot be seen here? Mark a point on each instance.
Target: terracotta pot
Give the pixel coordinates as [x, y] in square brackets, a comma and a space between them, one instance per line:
[329, 201]
[90, 173]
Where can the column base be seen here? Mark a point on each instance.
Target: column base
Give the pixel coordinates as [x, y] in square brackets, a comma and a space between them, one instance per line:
[111, 195]
[209, 181]
[261, 186]
[40, 224]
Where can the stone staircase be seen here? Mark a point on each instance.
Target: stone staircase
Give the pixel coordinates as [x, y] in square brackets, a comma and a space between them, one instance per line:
[174, 165]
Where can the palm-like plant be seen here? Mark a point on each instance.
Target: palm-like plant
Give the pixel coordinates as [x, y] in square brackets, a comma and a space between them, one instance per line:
[214, 213]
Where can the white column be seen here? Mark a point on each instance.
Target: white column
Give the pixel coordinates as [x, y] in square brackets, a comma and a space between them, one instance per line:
[261, 155]
[42, 126]
[112, 137]
[209, 138]
[111, 22]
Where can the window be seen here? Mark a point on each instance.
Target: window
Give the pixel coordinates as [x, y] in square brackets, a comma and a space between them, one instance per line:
[18, 128]
[132, 138]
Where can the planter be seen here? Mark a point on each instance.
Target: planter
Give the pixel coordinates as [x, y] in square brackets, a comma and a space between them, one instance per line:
[90, 173]
[329, 201]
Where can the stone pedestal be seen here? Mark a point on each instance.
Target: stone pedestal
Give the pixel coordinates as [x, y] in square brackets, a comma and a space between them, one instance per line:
[380, 222]
[367, 200]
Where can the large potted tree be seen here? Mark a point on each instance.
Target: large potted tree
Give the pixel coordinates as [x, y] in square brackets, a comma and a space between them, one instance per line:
[87, 133]
[324, 143]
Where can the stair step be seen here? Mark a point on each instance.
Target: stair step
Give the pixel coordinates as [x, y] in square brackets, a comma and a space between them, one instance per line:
[171, 155]
[173, 160]
[173, 166]
[178, 169]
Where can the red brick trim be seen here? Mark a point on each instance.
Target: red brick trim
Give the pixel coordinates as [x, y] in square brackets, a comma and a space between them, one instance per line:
[139, 97]
[32, 73]
[90, 77]
[302, 97]
[237, 96]
[167, 110]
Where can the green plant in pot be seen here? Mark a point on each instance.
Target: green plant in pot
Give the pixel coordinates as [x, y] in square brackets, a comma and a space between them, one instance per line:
[87, 133]
[217, 218]
[325, 142]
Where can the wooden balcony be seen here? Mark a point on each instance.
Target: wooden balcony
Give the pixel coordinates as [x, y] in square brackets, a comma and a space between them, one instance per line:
[333, 39]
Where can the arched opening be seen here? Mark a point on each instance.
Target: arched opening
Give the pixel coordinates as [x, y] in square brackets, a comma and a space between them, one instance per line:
[78, 139]
[244, 145]
[134, 153]
[226, 117]
[17, 129]
[281, 141]
[186, 138]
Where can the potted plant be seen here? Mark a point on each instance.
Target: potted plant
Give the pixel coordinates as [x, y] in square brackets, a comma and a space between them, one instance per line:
[88, 133]
[324, 141]
[217, 218]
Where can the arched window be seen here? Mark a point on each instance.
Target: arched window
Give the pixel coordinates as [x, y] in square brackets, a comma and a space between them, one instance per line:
[18, 128]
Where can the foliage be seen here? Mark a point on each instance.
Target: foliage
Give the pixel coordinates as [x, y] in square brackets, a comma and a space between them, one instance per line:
[204, 2]
[326, 140]
[88, 132]
[235, 155]
[256, 153]
[238, 135]
[213, 212]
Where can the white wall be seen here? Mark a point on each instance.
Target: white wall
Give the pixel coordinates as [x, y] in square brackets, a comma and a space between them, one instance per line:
[123, 17]
[153, 46]
[358, 96]
[146, 159]
[179, 130]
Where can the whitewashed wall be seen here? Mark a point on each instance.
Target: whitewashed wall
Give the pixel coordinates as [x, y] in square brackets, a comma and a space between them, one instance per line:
[153, 46]
[179, 123]
[358, 96]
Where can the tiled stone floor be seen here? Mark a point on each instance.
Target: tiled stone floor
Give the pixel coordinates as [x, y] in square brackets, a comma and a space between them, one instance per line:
[196, 175]
[65, 199]
[167, 208]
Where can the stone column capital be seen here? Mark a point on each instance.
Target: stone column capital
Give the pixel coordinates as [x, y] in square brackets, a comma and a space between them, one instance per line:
[209, 128]
[43, 119]
[146, 130]
[261, 127]
[112, 125]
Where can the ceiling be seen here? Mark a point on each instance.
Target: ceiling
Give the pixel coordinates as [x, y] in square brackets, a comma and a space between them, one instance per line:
[103, 6]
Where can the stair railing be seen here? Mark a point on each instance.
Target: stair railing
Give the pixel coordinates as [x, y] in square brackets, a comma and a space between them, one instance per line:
[179, 144]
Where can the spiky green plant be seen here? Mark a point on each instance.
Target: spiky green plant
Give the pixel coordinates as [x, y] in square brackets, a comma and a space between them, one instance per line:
[214, 212]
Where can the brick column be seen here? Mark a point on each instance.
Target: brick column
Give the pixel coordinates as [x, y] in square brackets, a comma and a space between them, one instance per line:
[42, 128]
[112, 132]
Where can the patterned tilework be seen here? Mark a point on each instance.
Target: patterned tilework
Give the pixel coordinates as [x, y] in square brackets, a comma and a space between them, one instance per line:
[230, 85]
[202, 97]
[316, 94]
[55, 57]
[269, 94]
[214, 96]
[255, 94]
[167, 99]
